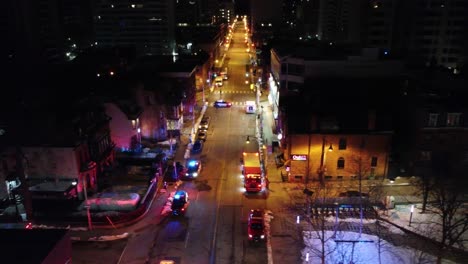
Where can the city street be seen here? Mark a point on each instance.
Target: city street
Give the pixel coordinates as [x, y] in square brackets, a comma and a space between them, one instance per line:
[214, 229]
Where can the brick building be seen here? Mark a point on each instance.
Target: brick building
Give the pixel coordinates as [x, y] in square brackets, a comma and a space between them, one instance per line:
[335, 133]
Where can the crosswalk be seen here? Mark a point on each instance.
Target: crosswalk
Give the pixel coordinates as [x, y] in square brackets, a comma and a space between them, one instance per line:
[234, 91]
[234, 103]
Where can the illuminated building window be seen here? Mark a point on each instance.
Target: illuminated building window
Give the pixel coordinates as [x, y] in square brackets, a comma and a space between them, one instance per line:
[453, 119]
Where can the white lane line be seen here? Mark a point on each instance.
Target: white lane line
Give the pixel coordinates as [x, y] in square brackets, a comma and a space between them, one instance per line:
[186, 239]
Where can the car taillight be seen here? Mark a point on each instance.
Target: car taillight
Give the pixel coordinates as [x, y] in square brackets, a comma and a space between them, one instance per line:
[183, 209]
[250, 235]
[259, 185]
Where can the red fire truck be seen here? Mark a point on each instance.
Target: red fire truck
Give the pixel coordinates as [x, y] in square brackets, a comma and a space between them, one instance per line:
[251, 168]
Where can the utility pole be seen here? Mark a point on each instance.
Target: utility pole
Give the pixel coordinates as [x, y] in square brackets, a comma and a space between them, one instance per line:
[322, 157]
[307, 192]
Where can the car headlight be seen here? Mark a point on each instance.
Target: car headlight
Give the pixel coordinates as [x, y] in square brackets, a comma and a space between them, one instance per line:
[262, 236]
[195, 174]
[186, 174]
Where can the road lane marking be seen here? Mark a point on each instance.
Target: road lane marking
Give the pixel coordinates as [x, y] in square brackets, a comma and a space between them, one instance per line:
[186, 239]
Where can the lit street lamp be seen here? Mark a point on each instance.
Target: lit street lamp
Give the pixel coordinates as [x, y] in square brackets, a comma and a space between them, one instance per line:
[411, 214]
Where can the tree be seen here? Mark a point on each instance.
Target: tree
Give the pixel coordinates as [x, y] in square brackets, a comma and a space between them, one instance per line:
[446, 192]
[361, 169]
[318, 221]
[448, 206]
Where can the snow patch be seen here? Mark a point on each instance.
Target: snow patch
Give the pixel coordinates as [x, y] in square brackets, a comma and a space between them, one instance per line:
[108, 238]
[349, 247]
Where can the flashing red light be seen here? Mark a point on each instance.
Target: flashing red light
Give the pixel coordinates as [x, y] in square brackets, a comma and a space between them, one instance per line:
[29, 226]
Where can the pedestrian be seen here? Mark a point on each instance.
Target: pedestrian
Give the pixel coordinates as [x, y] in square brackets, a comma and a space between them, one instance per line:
[165, 185]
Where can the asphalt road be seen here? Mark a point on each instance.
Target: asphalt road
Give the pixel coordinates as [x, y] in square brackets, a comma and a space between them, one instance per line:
[214, 229]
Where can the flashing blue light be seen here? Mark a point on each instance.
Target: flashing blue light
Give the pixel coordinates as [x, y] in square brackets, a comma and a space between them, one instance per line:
[192, 163]
[177, 196]
[385, 52]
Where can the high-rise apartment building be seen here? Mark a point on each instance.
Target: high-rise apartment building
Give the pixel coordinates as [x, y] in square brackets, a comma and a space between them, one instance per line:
[424, 31]
[437, 31]
[45, 31]
[148, 26]
[226, 11]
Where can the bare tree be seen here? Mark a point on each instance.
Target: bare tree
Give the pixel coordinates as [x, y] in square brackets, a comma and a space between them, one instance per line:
[453, 222]
[319, 219]
[361, 168]
[424, 184]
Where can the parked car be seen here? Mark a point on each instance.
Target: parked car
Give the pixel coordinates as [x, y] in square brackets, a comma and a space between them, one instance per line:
[179, 203]
[219, 81]
[197, 146]
[204, 124]
[222, 103]
[256, 225]
[201, 135]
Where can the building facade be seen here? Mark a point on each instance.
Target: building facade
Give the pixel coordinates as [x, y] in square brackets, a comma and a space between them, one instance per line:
[147, 26]
[340, 156]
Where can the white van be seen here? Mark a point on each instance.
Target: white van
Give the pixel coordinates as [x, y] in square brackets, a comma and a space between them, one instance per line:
[219, 81]
[250, 107]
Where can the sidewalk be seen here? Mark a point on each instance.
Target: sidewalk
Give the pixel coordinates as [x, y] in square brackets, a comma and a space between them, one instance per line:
[285, 236]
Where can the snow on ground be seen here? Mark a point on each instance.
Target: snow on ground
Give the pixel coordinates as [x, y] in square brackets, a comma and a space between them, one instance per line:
[108, 238]
[427, 224]
[112, 201]
[348, 247]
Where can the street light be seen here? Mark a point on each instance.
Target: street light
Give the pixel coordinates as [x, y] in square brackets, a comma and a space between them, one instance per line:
[248, 140]
[411, 214]
[139, 138]
[323, 158]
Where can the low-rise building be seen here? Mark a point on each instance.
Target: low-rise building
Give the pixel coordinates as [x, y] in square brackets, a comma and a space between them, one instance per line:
[338, 133]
